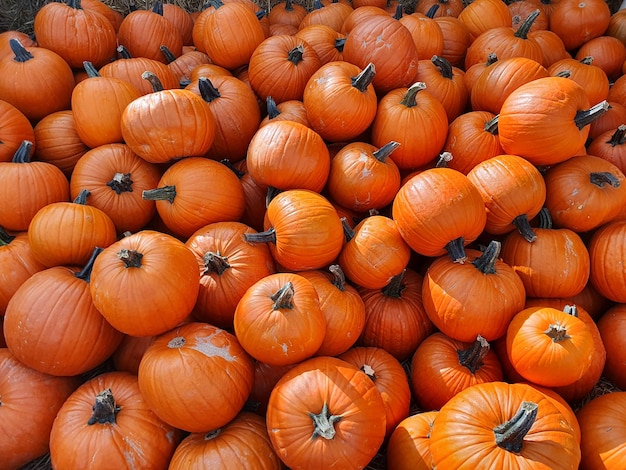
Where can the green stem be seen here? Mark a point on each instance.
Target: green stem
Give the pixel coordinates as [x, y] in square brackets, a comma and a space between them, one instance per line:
[587, 116]
[85, 273]
[408, 99]
[365, 78]
[473, 357]
[491, 126]
[383, 153]
[510, 435]
[522, 225]
[166, 193]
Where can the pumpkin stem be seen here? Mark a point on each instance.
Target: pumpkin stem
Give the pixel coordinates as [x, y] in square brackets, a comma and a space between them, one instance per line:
[492, 58]
[324, 423]
[90, 69]
[399, 12]
[396, 286]
[288, 5]
[571, 310]
[348, 231]
[104, 408]
[20, 52]
[121, 183]
[339, 43]
[177, 342]
[522, 225]
[369, 371]
[272, 109]
[444, 66]
[22, 154]
[564, 73]
[432, 11]
[166, 193]
[473, 357]
[443, 160]
[212, 434]
[158, 8]
[408, 99]
[131, 258]
[215, 263]
[269, 236]
[123, 52]
[5, 238]
[283, 297]
[456, 250]
[295, 55]
[491, 126]
[587, 60]
[557, 332]
[169, 55]
[545, 219]
[383, 153]
[618, 136]
[524, 28]
[82, 197]
[154, 80]
[85, 273]
[486, 263]
[364, 79]
[339, 278]
[240, 174]
[207, 90]
[260, 13]
[74, 4]
[586, 117]
[600, 178]
[510, 435]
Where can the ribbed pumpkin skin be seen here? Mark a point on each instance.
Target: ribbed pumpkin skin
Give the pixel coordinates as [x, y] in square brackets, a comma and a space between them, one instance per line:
[15, 128]
[30, 401]
[137, 438]
[243, 440]
[168, 275]
[196, 377]
[606, 251]
[409, 446]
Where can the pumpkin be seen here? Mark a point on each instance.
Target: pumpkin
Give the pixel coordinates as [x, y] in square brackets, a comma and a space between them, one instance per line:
[545, 267]
[127, 356]
[586, 73]
[551, 44]
[611, 120]
[399, 113]
[145, 265]
[409, 445]
[521, 9]
[181, 19]
[325, 41]
[446, 83]
[478, 297]
[340, 100]
[244, 440]
[157, 126]
[602, 416]
[265, 377]
[325, 411]
[30, 402]
[40, 184]
[611, 325]
[196, 377]
[58, 142]
[546, 120]
[107, 422]
[6, 36]
[182, 191]
[343, 309]
[329, 13]
[456, 39]
[288, 155]
[29, 73]
[116, 178]
[578, 22]
[15, 129]
[389, 377]
[441, 367]
[52, 325]
[503, 425]
[427, 35]
[183, 65]
[287, 12]
[290, 110]
[303, 230]
[395, 319]
[66, 233]
[255, 195]
[228, 267]
[279, 320]
[606, 253]
[77, 34]
[484, 15]
[513, 190]
[439, 210]
[549, 347]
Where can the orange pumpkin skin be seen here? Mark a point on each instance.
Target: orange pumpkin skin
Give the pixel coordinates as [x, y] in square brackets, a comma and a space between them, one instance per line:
[342, 396]
[228, 267]
[30, 402]
[15, 129]
[538, 120]
[52, 325]
[279, 320]
[578, 22]
[166, 272]
[196, 377]
[389, 377]
[611, 326]
[602, 431]
[127, 356]
[463, 432]
[548, 346]
[409, 445]
[441, 367]
[134, 433]
[606, 252]
[243, 440]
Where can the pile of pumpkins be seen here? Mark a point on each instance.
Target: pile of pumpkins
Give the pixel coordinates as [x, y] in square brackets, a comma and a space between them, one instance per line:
[314, 238]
